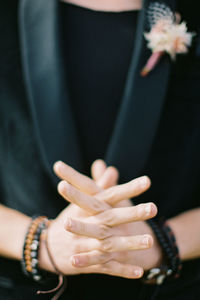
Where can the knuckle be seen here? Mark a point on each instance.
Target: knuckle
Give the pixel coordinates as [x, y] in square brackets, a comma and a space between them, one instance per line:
[108, 266]
[109, 194]
[103, 258]
[130, 244]
[104, 232]
[104, 268]
[86, 259]
[81, 227]
[119, 256]
[108, 218]
[121, 270]
[78, 245]
[107, 245]
[77, 248]
[96, 205]
[140, 210]
[116, 268]
[69, 190]
[136, 186]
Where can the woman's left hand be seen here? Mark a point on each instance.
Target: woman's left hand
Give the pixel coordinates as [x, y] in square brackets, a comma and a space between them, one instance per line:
[107, 227]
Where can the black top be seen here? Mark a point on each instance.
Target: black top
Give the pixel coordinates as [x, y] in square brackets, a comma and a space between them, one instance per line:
[98, 48]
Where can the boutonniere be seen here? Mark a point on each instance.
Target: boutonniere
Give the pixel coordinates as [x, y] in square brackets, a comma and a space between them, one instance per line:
[167, 35]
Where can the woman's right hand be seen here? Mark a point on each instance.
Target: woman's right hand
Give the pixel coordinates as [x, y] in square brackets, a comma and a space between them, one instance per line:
[64, 245]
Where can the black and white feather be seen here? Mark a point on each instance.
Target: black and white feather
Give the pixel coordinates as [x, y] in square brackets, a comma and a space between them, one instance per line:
[159, 11]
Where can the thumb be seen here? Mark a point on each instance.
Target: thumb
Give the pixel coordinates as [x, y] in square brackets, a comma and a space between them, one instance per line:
[97, 169]
[105, 177]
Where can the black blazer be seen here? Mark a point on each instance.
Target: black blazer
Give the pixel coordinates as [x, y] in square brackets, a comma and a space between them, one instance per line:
[157, 130]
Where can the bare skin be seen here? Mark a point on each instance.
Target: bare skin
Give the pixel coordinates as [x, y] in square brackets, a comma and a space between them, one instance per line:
[185, 226]
[98, 210]
[88, 243]
[108, 5]
[65, 245]
[109, 234]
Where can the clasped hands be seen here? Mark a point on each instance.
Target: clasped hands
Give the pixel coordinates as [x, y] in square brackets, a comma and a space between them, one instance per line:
[101, 231]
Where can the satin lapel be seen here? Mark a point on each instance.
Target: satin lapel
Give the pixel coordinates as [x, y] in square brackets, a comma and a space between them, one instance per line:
[45, 82]
[141, 108]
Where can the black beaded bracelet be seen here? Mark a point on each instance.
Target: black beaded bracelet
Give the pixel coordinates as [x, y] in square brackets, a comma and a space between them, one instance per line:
[29, 260]
[171, 266]
[174, 259]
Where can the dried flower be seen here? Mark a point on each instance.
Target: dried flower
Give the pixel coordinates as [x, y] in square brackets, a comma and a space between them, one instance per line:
[166, 35]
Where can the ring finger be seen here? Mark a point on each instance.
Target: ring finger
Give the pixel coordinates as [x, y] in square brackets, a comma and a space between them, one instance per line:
[115, 268]
[90, 258]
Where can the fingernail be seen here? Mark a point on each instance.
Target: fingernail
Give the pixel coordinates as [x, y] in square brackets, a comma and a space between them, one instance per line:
[68, 223]
[145, 241]
[143, 182]
[137, 273]
[75, 261]
[63, 187]
[58, 166]
[148, 209]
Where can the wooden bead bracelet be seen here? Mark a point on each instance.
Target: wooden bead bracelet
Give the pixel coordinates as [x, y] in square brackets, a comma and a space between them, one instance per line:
[29, 260]
[37, 233]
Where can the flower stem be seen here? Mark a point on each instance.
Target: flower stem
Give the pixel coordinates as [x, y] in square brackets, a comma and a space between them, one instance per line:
[151, 63]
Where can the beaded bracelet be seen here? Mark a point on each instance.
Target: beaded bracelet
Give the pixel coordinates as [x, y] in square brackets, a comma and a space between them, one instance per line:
[172, 264]
[36, 234]
[174, 260]
[29, 260]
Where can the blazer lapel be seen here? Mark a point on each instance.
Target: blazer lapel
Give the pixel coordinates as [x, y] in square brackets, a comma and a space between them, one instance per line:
[45, 82]
[141, 108]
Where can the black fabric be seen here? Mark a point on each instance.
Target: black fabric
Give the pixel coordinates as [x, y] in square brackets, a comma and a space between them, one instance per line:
[98, 49]
[20, 160]
[14, 285]
[176, 147]
[173, 165]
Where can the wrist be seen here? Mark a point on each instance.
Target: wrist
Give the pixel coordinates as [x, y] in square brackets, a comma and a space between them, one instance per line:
[43, 257]
[153, 256]
[156, 253]
[171, 265]
[46, 258]
[22, 230]
[179, 233]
